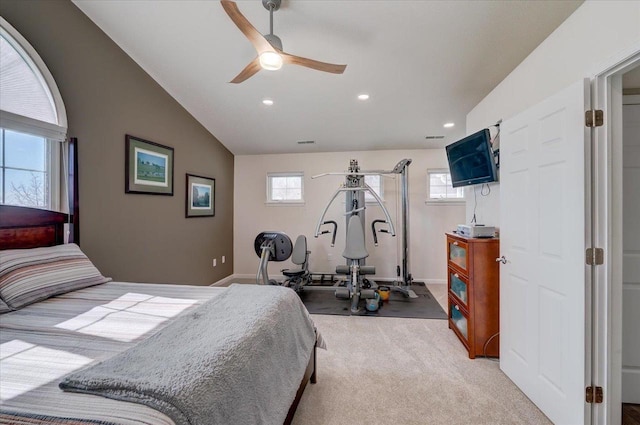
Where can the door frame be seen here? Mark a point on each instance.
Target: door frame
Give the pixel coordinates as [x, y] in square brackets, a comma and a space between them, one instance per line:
[606, 211]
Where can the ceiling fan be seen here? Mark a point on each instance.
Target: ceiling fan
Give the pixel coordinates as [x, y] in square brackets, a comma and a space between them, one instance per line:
[269, 46]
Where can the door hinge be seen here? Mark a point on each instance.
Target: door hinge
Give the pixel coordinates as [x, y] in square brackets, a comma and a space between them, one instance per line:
[594, 394]
[594, 118]
[595, 256]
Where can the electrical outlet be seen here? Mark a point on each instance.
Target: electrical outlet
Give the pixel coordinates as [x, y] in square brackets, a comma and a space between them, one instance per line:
[223, 259]
[215, 262]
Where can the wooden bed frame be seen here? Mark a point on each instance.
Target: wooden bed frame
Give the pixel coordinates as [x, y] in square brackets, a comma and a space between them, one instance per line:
[22, 227]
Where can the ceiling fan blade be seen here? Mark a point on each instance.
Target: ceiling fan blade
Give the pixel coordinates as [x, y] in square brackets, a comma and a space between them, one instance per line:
[310, 63]
[254, 36]
[248, 71]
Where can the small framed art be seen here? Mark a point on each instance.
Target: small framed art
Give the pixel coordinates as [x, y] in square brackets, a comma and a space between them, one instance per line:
[148, 167]
[201, 196]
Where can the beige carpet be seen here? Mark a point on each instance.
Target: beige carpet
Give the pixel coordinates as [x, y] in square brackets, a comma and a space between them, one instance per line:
[407, 371]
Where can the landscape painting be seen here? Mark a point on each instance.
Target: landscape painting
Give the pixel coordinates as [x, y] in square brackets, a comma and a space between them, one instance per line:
[200, 196]
[151, 168]
[148, 167]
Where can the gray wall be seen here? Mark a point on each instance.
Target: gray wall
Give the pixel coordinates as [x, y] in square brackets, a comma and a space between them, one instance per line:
[129, 237]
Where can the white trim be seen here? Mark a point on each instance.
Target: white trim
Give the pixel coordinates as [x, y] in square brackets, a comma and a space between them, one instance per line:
[441, 201]
[22, 124]
[244, 276]
[270, 175]
[284, 203]
[229, 279]
[371, 200]
[607, 234]
[225, 281]
[54, 167]
[433, 281]
[451, 202]
[33, 58]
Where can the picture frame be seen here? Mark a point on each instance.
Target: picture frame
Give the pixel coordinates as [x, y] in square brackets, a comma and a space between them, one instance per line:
[200, 196]
[148, 167]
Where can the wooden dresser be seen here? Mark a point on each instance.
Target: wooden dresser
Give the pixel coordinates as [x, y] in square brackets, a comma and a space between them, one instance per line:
[473, 282]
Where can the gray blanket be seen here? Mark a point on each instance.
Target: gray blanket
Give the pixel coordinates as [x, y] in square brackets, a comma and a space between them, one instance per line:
[237, 359]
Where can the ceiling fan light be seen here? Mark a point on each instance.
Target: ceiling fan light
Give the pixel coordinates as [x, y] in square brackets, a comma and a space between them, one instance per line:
[271, 61]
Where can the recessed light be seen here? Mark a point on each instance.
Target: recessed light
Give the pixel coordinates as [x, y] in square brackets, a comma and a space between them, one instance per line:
[268, 102]
[449, 125]
[363, 96]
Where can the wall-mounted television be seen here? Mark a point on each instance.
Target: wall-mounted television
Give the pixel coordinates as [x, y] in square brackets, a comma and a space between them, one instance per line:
[471, 160]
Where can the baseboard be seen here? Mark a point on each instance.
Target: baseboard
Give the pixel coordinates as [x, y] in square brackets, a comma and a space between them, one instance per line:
[630, 385]
[239, 276]
[433, 281]
[415, 279]
[225, 281]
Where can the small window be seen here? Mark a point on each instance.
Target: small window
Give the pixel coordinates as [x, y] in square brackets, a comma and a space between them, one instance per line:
[285, 187]
[440, 188]
[375, 183]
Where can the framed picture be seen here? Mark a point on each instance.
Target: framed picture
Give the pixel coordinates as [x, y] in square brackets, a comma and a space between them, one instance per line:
[201, 196]
[148, 167]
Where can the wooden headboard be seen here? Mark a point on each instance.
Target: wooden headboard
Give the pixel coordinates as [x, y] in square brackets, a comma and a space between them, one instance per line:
[23, 227]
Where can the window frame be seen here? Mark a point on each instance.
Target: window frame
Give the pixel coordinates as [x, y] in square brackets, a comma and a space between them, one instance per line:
[441, 201]
[368, 198]
[53, 133]
[35, 62]
[296, 202]
[51, 171]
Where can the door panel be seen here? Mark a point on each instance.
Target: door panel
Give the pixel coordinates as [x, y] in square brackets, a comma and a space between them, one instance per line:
[631, 255]
[543, 233]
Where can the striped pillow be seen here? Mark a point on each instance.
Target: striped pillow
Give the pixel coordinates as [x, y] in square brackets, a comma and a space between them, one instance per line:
[4, 308]
[30, 275]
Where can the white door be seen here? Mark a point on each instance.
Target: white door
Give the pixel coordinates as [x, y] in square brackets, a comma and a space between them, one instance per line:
[543, 154]
[631, 251]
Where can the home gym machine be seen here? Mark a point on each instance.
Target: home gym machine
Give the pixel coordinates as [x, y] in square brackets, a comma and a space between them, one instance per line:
[271, 246]
[355, 188]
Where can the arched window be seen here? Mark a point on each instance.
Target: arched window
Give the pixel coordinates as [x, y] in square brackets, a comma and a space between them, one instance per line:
[33, 123]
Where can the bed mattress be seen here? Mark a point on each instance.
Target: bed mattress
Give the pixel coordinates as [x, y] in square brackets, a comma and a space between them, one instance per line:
[43, 342]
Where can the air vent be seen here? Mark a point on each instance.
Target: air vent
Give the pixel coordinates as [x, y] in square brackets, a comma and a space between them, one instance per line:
[434, 137]
[306, 142]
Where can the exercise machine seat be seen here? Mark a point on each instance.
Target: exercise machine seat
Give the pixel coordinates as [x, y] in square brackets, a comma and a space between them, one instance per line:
[299, 257]
[354, 246]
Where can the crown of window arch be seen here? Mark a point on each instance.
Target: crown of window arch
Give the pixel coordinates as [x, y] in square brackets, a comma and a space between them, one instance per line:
[30, 100]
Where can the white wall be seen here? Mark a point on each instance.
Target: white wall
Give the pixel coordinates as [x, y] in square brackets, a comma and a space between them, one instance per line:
[579, 48]
[427, 222]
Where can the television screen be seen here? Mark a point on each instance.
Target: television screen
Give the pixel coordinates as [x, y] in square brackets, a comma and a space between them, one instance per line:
[471, 160]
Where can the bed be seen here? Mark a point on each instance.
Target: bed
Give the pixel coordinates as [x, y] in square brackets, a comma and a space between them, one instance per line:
[52, 340]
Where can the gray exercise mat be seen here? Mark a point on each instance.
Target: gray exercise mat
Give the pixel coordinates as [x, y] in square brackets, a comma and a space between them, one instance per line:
[423, 307]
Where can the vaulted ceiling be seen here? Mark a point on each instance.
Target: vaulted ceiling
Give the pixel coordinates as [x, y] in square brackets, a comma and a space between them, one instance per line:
[423, 63]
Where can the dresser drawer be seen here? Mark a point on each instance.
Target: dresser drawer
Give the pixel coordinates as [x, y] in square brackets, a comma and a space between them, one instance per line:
[458, 321]
[458, 254]
[459, 286]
